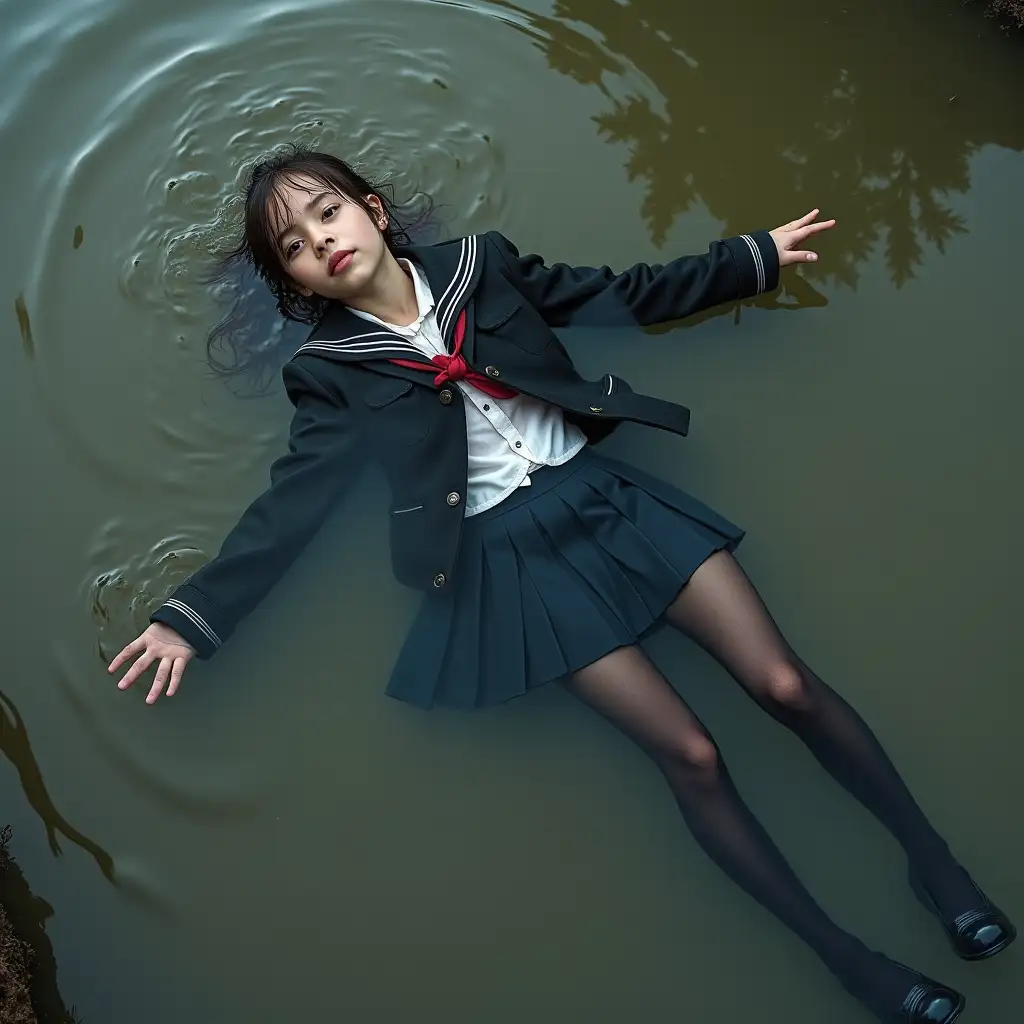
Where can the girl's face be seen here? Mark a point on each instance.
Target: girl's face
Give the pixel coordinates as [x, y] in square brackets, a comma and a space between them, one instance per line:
[328, 245]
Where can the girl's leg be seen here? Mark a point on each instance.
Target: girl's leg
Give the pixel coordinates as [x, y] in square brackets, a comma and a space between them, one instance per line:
[721, 610]
[629, 691]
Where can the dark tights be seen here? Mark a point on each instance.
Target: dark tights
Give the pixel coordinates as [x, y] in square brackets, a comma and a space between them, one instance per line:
[720, 609]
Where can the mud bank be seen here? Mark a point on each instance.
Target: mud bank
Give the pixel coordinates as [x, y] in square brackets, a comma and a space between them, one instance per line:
[28, 969]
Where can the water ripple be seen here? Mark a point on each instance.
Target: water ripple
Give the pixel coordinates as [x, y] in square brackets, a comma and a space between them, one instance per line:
[153, 183]
[138, 183]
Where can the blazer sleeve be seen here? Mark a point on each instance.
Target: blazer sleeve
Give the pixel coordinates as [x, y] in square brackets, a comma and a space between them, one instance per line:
[733, 268]
[305, 483]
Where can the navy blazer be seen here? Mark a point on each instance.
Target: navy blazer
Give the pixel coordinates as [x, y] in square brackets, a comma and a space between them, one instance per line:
[346, 394]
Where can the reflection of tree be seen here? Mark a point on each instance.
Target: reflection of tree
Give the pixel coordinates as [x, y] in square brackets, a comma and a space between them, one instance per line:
[763, 111]
[14, 744]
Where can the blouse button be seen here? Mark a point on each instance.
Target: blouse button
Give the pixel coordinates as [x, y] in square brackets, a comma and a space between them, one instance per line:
[454, 498]
[487, 408]
[445, 398]
[440, 580]
[492, 371]
[519, 444]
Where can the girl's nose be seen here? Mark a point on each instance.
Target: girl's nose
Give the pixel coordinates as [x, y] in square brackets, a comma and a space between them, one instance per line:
[325, 244]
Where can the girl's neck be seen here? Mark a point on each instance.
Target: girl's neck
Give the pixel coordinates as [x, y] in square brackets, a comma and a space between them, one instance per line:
[390, 296]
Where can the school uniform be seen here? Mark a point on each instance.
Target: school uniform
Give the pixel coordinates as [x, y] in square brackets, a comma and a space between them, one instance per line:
[537, 555]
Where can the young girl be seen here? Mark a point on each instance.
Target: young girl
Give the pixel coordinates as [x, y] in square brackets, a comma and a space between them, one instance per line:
[540, 559]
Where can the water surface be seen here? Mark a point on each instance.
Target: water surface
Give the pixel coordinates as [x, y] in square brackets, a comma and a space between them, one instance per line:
[286, 842]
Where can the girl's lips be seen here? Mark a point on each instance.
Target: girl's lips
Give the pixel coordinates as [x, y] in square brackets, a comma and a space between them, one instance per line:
[339, 260]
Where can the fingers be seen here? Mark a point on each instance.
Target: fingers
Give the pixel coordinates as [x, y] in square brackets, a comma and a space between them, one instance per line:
[788, 238]
[788, 257]
[171, 665]
[142, 663]
[805, 224]
[176, 673]
[160, 681]
[794, 224]
[813, 229]
[138, 644]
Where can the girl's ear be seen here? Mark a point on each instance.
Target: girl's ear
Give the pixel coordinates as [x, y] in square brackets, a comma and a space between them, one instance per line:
[380, 216]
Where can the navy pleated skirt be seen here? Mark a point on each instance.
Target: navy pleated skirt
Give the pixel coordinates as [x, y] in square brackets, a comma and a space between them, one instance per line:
[585, 560]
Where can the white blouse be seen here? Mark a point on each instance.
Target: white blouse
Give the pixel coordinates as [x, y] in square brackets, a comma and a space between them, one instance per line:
[508, 438]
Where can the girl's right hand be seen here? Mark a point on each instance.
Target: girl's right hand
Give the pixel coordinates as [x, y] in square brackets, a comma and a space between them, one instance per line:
[160, 644]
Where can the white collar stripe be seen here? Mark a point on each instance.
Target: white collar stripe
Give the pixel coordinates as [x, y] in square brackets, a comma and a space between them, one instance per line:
[369, 334]
[392, 340]
[463, 287]
[338, 346]
[439, 308]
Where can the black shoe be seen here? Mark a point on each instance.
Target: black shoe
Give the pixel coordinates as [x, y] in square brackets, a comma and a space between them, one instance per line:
[925, 1002]
[976, 934]
[928, 1002]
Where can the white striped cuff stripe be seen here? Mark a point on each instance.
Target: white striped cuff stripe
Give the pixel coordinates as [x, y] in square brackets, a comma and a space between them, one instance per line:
[197, 619]
[762, 280]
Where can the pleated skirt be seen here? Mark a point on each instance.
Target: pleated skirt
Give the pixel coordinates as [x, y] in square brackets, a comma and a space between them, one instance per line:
[585, 560]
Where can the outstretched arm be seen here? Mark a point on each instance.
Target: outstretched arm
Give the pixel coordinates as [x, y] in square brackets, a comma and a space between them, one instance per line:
[305, 483]
[733, 268]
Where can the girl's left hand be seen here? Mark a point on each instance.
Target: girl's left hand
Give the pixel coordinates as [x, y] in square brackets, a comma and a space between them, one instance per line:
[789, 237]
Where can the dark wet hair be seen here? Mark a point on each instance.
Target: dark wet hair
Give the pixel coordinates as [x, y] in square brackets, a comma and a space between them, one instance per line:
[235, 346]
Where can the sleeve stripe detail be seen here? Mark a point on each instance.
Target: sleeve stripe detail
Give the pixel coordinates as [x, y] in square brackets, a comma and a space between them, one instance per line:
[762, 280]
[195, 618]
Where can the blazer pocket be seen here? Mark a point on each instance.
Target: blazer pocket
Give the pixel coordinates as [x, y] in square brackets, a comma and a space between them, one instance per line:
[387, 391]
[397, 416]
[491, 320]
[512, 318]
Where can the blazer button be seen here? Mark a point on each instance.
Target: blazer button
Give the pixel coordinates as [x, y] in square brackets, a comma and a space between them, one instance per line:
[492, 371]
[454, 498]
[445, 398]
[440, 580]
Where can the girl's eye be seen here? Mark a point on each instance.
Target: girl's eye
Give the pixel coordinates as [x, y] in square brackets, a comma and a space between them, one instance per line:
[292, 249]
[329, 211]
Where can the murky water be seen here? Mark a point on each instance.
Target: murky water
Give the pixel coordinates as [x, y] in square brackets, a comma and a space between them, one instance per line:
[287, 843]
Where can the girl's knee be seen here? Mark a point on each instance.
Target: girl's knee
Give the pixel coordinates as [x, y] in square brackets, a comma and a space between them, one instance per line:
[696, 754]
[784, 684]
